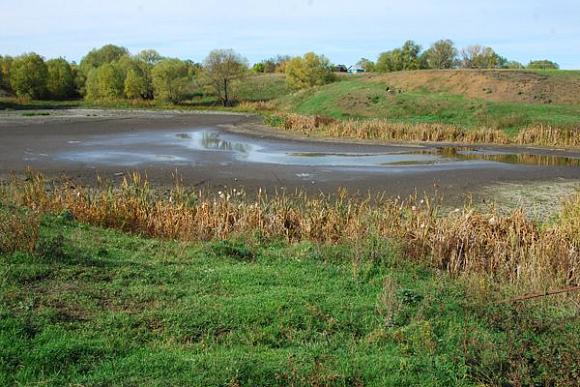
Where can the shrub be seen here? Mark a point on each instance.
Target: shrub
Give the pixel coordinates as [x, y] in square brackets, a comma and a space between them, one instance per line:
[309, 70]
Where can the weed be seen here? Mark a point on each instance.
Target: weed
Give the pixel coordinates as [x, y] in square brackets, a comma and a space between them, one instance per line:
[18, 230]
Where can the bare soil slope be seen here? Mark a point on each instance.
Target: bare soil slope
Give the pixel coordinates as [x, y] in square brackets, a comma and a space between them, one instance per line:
[494, 85]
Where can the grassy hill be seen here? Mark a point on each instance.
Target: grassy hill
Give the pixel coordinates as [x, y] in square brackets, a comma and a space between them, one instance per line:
[501, 99]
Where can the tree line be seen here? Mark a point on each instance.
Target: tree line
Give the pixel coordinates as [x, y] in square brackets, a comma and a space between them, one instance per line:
[111, 72]
[444, 55]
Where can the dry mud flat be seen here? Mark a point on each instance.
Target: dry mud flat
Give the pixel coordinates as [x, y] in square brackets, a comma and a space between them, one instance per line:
[217, 151]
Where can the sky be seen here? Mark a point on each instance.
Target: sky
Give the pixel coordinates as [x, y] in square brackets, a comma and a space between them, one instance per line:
[344, 31]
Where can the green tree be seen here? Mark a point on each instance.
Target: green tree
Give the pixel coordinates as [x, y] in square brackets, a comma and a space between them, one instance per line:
[405, 58]
[150, 57]
[136, 85]
[258, 68]
[543, 65]
[28, 76]
[60, 82]
[410, 56]
[514, 65]
[106, 54]
[366, 64]
[308, 71]
[170, 80]
[137, 78]
[105, 82]
[276, 64]
[3, 76]
[441, 55]
[389, 61]
[95, 59]
[223, 71]
[481, 57]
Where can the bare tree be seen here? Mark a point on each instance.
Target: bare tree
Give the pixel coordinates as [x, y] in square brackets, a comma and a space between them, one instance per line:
[223, 70]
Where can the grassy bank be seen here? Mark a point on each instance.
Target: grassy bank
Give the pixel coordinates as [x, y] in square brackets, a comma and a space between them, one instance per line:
[373, 98]
[84, 305]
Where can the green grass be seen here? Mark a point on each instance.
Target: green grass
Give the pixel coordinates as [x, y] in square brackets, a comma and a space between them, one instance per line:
[264, 87]
[557, 73]
[358, 97]
[8, 103]
[253, 89]
[97, 307]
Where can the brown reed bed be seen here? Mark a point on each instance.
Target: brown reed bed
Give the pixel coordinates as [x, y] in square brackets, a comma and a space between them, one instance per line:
[509, 248]
[377, 129]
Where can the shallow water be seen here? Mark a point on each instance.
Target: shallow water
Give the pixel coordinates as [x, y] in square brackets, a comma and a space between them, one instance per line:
[253, 152]
[192, 148]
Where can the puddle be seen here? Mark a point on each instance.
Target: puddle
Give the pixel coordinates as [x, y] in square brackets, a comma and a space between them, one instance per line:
[124, 159]
[192, 147]
[519, 159]
[206, 140]
[259, 153]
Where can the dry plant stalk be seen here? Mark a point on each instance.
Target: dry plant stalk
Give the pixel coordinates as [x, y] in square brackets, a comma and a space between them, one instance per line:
[18, 231]
[511, 248]
[377, 129]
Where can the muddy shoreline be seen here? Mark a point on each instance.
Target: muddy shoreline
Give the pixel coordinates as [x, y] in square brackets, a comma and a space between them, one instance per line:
[33, 141]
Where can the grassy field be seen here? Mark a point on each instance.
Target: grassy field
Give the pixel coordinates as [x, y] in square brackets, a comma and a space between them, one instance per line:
[89, 306]
[268, 291]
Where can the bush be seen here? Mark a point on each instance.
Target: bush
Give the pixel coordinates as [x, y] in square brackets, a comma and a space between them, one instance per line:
[309, 70]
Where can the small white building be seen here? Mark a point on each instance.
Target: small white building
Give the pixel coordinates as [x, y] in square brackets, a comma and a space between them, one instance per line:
[356, 69]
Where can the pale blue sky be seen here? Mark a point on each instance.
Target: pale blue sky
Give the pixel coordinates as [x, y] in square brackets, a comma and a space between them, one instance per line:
[344, 31]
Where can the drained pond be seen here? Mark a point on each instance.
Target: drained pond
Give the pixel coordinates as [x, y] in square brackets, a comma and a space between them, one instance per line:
[221, 151]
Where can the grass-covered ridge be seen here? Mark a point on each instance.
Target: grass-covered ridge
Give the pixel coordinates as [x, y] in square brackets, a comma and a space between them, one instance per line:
[468, 99]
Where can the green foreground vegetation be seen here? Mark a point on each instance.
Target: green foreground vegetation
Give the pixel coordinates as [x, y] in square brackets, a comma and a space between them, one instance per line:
[93, 307]
[280, 291]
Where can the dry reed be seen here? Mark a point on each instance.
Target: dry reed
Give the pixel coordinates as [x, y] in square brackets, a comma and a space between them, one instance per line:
[511, 248]
[377, 129]
[18, 230]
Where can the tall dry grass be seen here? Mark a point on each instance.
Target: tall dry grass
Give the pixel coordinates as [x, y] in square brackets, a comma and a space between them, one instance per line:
[510, 248]
[18, 230]
[376, 129]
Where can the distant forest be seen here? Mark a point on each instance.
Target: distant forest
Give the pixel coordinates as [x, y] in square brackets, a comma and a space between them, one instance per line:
[111, 72]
